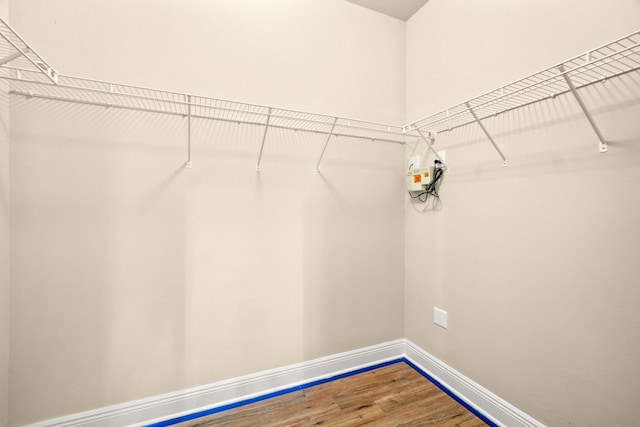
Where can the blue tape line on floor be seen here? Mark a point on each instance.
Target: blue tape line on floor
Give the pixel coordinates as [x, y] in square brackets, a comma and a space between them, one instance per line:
[451, 394]
[266, 396]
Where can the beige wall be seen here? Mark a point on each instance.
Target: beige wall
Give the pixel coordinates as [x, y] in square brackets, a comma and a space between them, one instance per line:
[536, 263]
[133, 276]
[322, 57]
[4, 262]
[4, 257]
[4, 246]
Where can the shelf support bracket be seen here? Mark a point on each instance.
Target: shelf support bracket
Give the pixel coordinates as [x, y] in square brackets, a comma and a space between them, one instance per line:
[335, 121]
[48, 71]
[264, 138]
[11, 57]
[486, 132]
[603, 143]
[429, 142]
[188, 131]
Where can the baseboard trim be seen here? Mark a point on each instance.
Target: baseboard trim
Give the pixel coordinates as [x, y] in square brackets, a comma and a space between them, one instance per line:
[159, 409]
[476, 396]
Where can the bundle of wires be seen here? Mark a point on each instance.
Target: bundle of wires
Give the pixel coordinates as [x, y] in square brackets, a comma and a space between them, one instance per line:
[433, 186]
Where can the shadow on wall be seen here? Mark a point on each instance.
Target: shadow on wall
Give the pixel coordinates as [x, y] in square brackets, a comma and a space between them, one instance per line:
[135, 276]
[546, 243]
[98, 257]
[353, 246]
[4, 255]
[522, 134]
[4, 176]
[266, 252]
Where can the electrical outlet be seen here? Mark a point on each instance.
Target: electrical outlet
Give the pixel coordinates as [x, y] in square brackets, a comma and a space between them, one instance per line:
[440, 317]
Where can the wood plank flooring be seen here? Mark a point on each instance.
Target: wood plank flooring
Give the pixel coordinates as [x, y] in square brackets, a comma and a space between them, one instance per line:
[394, 395]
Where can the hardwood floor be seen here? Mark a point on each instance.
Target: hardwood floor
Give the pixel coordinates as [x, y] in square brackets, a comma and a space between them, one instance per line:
[394, 395]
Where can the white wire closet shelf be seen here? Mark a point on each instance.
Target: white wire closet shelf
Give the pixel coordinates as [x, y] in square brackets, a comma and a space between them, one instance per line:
[106, 94]
[14, 50]
[29, 75]
[614, 59]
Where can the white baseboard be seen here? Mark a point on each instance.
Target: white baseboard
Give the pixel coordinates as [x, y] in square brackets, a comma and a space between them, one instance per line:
[171, 405]
[478, 397]
[167, 406]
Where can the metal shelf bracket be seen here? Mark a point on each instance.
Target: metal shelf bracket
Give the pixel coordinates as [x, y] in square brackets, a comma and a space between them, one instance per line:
[430, 140]
[22, 50]
[486, 132]
[189, 131]
[603, 143]
[264, 137]
[31, 76]
[11, 57]
[315, 170]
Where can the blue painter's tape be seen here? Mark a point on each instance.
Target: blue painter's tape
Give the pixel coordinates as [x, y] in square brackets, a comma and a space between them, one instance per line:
[270, 395]
[451, 394]
[266, 396]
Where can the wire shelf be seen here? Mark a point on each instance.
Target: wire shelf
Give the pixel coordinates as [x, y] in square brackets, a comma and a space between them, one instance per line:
[94, 92]
[15, 51]
[29, 75]
[619, 57]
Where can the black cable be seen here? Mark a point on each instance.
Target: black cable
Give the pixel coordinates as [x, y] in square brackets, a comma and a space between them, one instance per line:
[431, 188]
[419, 196]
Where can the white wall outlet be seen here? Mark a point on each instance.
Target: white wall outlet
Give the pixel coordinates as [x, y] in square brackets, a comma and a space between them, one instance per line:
[443, 156]
[440, 317]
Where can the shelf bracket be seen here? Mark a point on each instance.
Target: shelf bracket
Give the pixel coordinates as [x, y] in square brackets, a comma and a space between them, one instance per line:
[40, 65]
[603, 143]
[429, 142]
[315, 170]
[11, 57]
[486, 132]
[264, 137]
[188, 131]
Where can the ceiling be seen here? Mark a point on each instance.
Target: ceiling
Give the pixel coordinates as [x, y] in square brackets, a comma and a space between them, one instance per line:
[401, 9]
